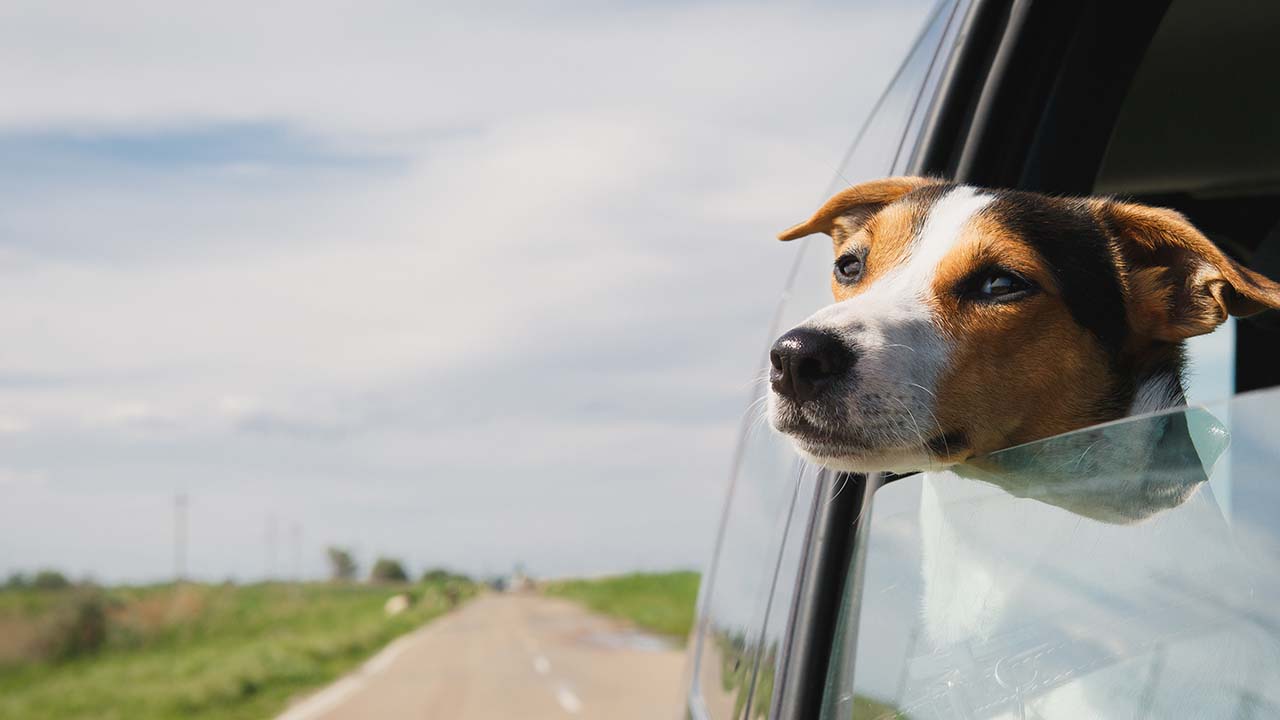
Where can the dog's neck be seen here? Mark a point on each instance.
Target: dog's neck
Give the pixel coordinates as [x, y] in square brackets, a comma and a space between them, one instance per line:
[1114, 473]
[1158, 383]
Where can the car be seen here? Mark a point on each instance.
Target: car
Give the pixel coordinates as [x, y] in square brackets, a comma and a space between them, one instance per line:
[812, 604]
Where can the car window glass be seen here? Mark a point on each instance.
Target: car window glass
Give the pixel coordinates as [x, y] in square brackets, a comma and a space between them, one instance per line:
[747, 594]
[880, 147]
[1093, 574]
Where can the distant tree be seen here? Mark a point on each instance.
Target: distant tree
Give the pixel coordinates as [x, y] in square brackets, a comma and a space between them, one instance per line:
[17, 581]
[442, 575]
[342, 566]
[387, 570]
[50, 580]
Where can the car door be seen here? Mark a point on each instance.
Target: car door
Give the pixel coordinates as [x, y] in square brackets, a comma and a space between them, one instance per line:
[1157, 101]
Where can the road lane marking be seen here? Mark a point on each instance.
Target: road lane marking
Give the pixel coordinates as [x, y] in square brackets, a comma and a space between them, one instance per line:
[541, 665]
[390, 654]
[333, 696]
[568, 700]
[323, 701]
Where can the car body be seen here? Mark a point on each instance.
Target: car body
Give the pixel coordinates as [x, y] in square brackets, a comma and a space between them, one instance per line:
[813, 604]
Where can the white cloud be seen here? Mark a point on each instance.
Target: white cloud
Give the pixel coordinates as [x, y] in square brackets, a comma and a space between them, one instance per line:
[509, 282]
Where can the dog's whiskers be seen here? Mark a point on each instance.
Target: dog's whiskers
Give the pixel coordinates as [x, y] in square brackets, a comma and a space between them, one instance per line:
[844, 481]
[919, 433]
[762, 378]
[760, 410]
[933, 419]
[921, 387]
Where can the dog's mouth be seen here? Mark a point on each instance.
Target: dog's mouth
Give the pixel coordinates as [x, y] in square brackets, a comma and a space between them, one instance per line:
[838, 444]
[820, 441]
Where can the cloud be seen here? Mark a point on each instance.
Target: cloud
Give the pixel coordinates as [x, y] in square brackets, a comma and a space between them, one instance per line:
[470, 285]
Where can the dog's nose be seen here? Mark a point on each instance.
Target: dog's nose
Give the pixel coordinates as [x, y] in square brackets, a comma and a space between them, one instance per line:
[805, 362]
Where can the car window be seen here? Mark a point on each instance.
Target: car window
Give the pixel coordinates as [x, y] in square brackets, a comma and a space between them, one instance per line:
[1196, 132]
[1093, 574]
[1204, 89]
[747, 595]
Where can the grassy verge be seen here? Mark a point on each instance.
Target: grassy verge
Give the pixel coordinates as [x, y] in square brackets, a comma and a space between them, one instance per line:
[660, 602]
[193, 650]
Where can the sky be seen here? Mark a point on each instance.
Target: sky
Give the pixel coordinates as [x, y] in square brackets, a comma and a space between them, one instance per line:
[464, 284]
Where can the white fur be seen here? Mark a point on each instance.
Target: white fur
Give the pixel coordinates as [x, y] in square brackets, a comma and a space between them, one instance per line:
[942, 229]
[1158, 392]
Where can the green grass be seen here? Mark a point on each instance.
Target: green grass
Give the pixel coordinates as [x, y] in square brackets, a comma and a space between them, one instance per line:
[201, 650]
[660, 602]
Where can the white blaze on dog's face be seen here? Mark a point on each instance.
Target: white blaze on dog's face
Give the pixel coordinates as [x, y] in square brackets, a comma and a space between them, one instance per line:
[968, 320]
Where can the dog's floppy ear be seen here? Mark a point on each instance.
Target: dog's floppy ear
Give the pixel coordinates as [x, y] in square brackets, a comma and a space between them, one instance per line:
[859, 202]
[1179, 283]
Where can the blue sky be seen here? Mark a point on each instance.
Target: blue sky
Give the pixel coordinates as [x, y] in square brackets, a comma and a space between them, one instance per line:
[464, 285]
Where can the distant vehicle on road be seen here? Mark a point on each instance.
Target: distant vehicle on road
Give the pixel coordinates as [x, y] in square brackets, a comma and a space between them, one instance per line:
[810, 607]
[517, 581]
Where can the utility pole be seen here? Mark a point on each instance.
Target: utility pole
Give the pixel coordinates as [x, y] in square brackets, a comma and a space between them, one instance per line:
[271, 546]
[295, 542]
[179, 537]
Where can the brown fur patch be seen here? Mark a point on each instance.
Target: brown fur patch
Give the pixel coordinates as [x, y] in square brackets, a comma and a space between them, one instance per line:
[1010, 362]
[885, 240]
[1179, 284]
[856, 204]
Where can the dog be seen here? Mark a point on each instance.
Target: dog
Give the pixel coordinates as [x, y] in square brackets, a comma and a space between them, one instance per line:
[969, 320]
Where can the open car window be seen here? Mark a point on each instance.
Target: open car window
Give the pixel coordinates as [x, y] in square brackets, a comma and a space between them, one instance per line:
[1126, 570]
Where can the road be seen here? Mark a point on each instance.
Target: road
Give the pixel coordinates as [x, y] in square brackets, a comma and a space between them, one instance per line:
[510, 656]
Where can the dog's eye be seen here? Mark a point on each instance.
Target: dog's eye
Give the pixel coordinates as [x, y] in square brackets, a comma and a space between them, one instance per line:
[1002, 286]
[848, 268]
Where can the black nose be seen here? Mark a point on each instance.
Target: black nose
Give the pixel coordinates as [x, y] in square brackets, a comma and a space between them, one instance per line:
[805, 362]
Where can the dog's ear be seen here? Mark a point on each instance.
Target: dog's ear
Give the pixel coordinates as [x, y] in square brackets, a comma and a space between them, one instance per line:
[1179, 284]
[858, 203]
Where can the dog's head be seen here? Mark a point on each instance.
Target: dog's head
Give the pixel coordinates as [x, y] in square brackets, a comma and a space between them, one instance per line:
[969, 320]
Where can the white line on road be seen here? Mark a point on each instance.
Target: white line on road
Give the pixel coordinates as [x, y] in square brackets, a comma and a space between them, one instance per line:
[323, 701]
[541, 665]
[568, 700]
[332, 696]
[390, 654]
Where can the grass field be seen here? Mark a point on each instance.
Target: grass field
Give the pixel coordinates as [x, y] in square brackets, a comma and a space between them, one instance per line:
[193, 650]
[660, 602]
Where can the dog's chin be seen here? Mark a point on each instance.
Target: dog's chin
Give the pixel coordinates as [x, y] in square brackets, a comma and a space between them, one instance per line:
[826, 437]
[843, 459]
[857, 455]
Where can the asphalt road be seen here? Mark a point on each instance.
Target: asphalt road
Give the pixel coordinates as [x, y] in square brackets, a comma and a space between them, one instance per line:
[510, 656]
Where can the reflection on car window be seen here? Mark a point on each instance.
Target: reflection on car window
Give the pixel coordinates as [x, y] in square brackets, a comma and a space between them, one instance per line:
[747, 594]
[1088, 575]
